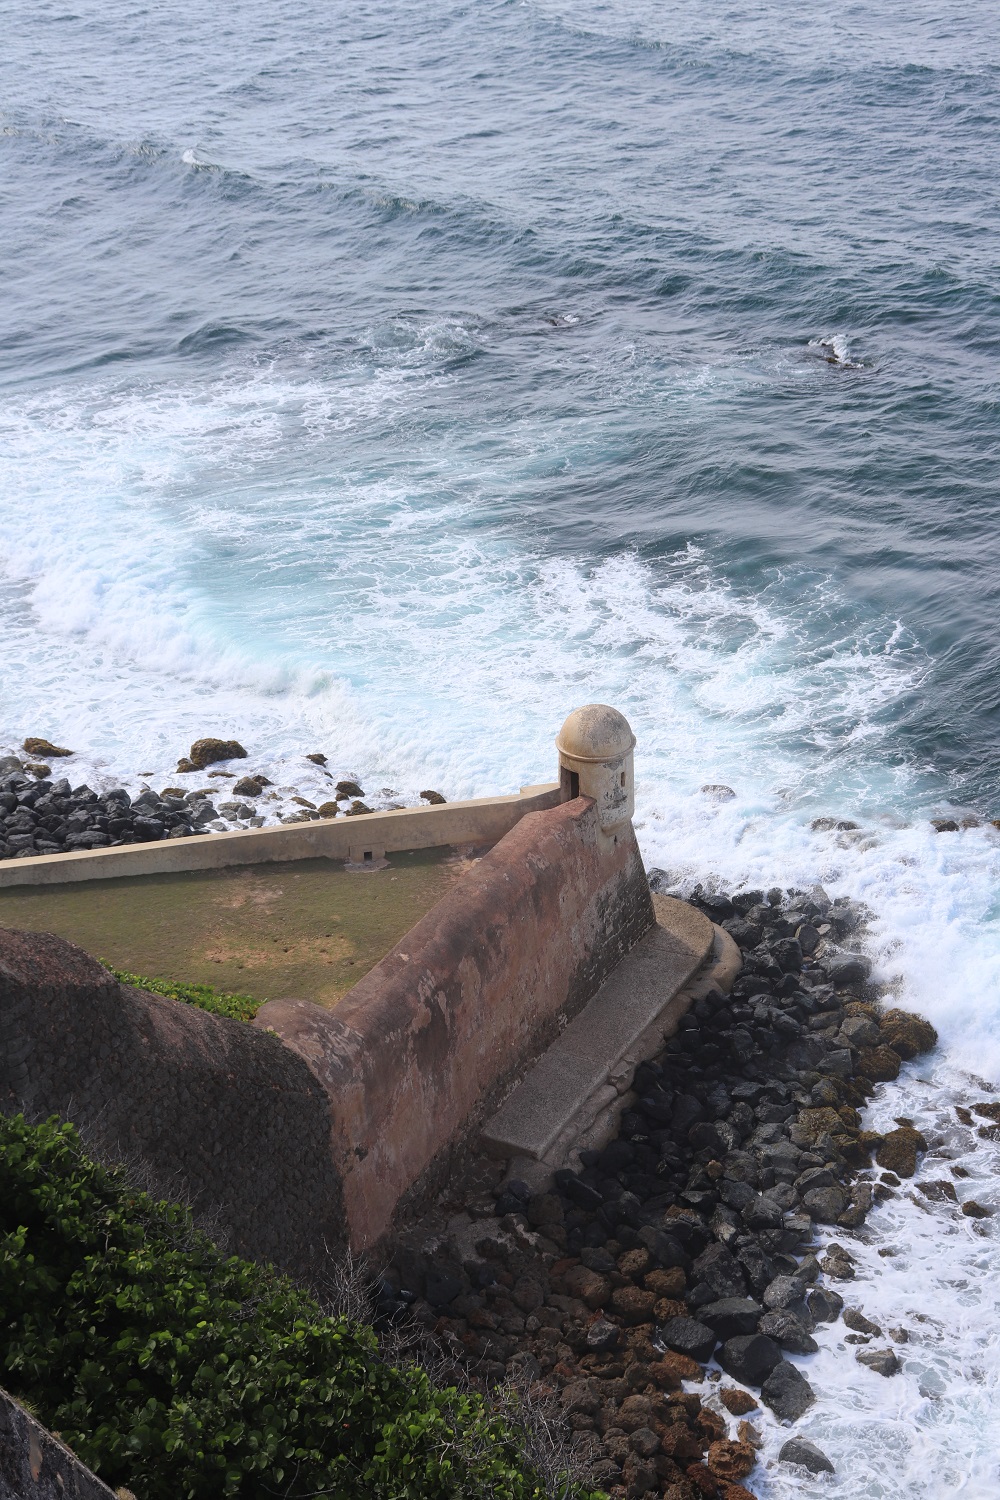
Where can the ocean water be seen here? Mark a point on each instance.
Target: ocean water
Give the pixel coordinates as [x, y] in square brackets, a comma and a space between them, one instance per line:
[389, 380]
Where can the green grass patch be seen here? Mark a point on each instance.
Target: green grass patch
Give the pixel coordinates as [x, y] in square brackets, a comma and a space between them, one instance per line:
[237, 1007]
[186, 1374]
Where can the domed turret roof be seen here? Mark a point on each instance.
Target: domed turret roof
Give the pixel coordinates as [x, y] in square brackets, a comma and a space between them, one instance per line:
[595, 733]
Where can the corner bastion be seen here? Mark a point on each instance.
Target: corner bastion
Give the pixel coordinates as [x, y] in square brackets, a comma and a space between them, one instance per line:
[312, 1129]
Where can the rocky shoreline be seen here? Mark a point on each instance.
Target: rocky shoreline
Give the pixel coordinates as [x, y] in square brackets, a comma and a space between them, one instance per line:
[39, 815]
[685, 1251]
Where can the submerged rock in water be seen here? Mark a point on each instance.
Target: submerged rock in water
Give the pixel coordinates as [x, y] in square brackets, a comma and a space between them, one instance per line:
[718, 792]
[973, 1210]
[882, 1361]
[35, 746]
[801, 1451]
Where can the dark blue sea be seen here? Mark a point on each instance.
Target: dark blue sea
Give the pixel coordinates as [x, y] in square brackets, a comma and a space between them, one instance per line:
[389, 380]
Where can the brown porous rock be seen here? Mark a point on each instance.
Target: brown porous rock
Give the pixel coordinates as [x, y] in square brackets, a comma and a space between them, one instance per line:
[897, 1151]
[33, 745]
[907, 1034]
[729, 1460]
[880, 1064]
[736, 1402]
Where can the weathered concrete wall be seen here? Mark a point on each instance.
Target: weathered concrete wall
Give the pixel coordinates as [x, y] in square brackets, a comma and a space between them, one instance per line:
[426, 1043]
[481, 820]
[222, 1115]
[36, 1466]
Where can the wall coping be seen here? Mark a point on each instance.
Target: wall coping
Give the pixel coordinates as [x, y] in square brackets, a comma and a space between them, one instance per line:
[369, 836]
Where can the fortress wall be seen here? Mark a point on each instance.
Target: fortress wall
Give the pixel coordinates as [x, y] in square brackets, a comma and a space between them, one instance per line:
[35, 1465]
[430, 1040]
[217, 1113]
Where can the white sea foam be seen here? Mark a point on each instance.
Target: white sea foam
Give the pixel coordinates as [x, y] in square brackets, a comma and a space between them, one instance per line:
[174, 567]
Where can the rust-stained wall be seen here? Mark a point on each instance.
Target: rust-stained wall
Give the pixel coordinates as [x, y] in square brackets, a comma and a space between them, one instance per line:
[218, 1114]
[426, 1043]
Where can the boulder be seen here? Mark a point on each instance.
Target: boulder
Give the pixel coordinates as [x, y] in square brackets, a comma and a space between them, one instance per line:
[882, 1361]
[749, 1358]
[762, 1213]
[736, 1402]
[638, 1411]
[669, 1283]
[633, 1305]
[860, 1031]
[973, 1210]
[720, 1270]
[897, 1150]
[784, 1291]
[688, 1336]
[208, 751]
[807, 1455]
[434, 798]
[787, 1392]
[729, 1460]
[35, 746]
[731, 1316]
[855, 1319]
[250, 786]
[788, 1330]
[348, 789]
[602, 1336]
[880, 1064]
[850, 969]
[907, 1034]
[591, 1288]
[317, 758]
[826, 1204]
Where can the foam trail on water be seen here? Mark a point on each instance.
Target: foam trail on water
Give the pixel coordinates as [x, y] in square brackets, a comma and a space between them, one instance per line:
[190, 579]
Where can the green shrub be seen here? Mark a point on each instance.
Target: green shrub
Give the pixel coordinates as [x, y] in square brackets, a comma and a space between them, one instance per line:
[181, 1372]
[237, 1007]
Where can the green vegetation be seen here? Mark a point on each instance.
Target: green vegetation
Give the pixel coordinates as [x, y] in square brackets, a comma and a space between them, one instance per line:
[179, 1371]
[237, 1007]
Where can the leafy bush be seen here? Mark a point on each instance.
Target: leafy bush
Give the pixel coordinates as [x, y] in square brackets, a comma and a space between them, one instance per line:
[237, 1007]
[181, 1372]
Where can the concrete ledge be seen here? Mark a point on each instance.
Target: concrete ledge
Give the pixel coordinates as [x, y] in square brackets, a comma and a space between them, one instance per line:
[598, 1119]
[359, 840]
[633, 1000]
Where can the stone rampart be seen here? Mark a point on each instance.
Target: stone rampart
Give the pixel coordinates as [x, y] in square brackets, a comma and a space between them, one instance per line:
[212, 1111]
[34, 1465]
[428, 1042]
[479, 821]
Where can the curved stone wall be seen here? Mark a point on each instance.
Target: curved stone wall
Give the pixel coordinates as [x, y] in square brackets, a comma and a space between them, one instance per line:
[426, 1044]
[210, 1111]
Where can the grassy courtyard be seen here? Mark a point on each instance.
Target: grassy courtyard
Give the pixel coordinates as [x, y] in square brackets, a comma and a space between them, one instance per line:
[306, 929]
